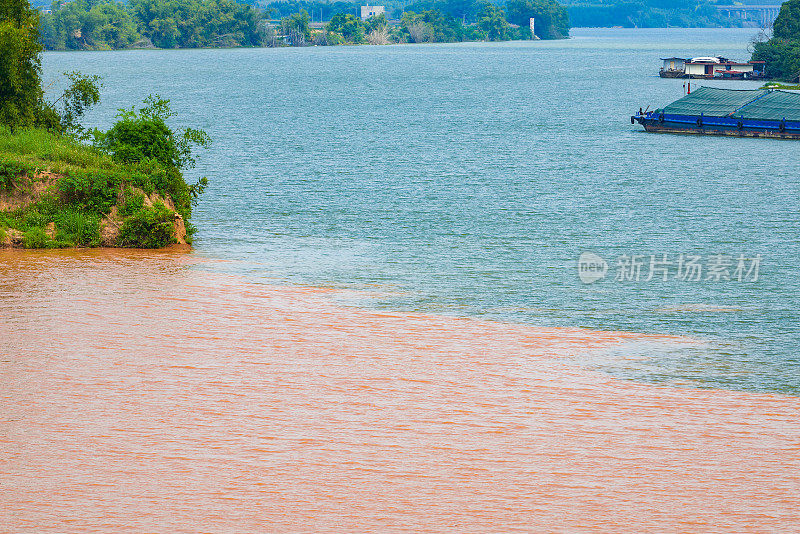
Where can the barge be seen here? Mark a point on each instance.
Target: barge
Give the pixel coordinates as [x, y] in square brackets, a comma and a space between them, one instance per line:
[772, 113]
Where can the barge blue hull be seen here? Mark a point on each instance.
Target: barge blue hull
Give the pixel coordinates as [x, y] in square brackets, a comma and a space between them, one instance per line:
[700, 125]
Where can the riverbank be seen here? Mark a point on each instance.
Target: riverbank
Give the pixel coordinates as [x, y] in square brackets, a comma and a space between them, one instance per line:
[142, 392]
[56, 192]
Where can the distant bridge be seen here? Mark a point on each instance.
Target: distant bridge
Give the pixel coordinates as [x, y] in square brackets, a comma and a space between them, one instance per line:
[765, 15]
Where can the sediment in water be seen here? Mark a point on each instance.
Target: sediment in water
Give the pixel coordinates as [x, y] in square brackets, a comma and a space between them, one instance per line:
[143, 394]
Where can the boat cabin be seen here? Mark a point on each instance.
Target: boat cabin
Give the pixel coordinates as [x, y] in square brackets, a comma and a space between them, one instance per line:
[710, 67]
[673, 63]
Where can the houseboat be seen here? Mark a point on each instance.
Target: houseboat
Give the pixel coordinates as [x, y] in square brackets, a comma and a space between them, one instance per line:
[742, 113]
[716, 67]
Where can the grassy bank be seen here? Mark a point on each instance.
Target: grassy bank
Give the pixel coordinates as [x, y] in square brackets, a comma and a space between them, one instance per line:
[56, 192]
[784, 86]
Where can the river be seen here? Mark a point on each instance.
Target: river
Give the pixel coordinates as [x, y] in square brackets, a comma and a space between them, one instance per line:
[382, 325]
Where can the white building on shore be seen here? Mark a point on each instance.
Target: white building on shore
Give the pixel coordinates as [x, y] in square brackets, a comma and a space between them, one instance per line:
[371, 11]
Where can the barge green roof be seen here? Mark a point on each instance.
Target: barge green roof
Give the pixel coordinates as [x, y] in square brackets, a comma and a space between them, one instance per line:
[776, 105]
[713, 102]
[758, 104]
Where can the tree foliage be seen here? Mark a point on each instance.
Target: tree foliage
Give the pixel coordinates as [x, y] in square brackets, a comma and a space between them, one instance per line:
[296, 28]
[375, 22]
[112, 24]
[21, 95]
[432, 26]
[782, 52]
[106, 24]
[350, 27]
[144, 135]
[782, 57]
[88, 25]
[492, 22]
[551, 20]
[464, 10]
[319, 10]
[787, 25]
[650, 14]
[82, 93]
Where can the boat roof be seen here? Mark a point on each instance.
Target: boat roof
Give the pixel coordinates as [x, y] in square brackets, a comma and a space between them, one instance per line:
[706, 59]
[775, 105]
[713, 101]
[759, 104]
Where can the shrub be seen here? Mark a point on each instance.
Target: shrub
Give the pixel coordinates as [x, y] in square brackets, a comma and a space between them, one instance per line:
[151, 227]
[34, 218]
[131, 203]
[77, 228]
[90, 183]
[35, 238]
[94, 191]
[139, 137]
[8, 172]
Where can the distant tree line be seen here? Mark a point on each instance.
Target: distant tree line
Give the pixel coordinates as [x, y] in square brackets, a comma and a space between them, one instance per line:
[318, 10]
[782, 51]
[435, 21]
[107, 24]
[549, 15]
[649, 14]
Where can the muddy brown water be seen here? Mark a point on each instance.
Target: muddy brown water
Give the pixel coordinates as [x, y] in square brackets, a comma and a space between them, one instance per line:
[141, 393]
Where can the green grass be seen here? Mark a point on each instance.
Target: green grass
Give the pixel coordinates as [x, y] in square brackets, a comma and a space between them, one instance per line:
[777, 85]
[40, 149]
[91, 183]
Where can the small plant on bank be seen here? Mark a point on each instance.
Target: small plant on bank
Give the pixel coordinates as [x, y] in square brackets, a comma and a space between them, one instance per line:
[149, 227]
[132, 202]
[35, 238]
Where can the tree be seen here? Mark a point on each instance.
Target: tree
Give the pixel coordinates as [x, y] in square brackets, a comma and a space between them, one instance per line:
[431, 26]
[83, 93]
[787, 25]
[782, 52]
[492, 21]
[375, 22]
[144, 135]
[463, 10]
[377, 29]
[21, 95]
[348, 26]
[87, 25]
[782, 58]
[551, 20]
[296, 28]
[419, 32]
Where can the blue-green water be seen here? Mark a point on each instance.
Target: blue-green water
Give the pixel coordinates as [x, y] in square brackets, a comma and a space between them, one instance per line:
[468, 178]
